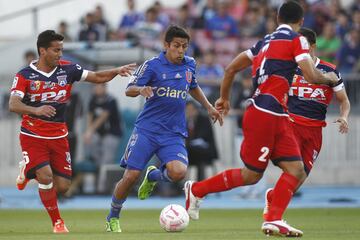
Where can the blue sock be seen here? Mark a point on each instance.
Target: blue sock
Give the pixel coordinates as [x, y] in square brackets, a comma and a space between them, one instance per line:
[157, 175]
[116, 205]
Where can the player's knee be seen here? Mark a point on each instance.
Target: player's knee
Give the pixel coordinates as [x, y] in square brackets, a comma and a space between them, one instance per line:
[130, 178]
[44, 178]
[63, 188]
[176, 175]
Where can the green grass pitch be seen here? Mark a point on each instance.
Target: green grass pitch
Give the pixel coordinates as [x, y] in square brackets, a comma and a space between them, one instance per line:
[221, 224]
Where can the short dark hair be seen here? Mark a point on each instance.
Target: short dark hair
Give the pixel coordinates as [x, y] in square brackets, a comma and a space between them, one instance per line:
[309, 34]
[290, 12]
[176, 31]
[46, 37]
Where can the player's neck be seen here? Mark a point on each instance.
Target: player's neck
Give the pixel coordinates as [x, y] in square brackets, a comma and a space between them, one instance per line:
[43, 66]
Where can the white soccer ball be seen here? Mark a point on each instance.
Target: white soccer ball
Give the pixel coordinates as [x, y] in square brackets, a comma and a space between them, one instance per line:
[174, 218]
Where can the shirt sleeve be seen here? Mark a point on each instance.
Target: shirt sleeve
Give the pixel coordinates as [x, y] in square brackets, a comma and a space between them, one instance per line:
[19, 87]
[340, 84]
[301, 48]
[142, 75]
[78, 73]
[254, 50]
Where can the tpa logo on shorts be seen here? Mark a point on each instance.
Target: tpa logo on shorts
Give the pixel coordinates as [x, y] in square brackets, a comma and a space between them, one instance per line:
[68, 157]
[62, 80]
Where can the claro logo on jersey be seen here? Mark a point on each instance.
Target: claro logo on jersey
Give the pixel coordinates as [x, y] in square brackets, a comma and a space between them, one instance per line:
[172, 93]
[46, 96]
[307, 92]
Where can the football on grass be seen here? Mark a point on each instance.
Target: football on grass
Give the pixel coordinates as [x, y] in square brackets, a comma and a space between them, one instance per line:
[174, 218]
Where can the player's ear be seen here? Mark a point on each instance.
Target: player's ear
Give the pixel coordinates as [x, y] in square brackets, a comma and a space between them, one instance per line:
[166, 45]
[42, 51]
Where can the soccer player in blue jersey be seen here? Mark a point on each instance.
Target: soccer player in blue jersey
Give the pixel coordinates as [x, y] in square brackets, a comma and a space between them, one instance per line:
[160, 129]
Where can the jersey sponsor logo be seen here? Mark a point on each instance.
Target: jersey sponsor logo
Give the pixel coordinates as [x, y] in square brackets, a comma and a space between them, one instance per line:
[188, 75]
[49, 85]
[61, 71]
[33, 75]
[35, 85]
[307, 92]
[14, 84]
[171, 93]
[46, 96]
[62, 80]
[304, 43]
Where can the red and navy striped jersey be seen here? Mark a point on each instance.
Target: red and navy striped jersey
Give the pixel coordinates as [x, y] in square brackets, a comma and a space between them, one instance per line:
[274, 64]
[308, 102]
[38, 88]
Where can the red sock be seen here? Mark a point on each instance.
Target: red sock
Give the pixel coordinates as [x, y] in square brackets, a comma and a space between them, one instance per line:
[49, 200]
[224, 181]
[281, 196]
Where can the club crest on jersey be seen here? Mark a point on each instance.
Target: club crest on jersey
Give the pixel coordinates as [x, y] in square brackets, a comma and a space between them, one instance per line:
[49, 85]
[188, 74]
[68, 157]
[35, 85]
[62, 80]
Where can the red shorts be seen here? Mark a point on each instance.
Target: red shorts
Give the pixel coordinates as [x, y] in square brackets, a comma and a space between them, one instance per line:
[40, 152]
[267, 136]
[309, 140]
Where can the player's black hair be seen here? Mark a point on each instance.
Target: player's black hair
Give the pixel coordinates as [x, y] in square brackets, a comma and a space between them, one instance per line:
[46, 37]
[309, 34]
[290, 12]
[176, 32]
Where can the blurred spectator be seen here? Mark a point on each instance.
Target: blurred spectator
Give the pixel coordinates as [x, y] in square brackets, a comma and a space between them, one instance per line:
[149, 31]
[309, 15]
[88, 30]
[328, 43]
[129, 20]
[103, 132]
[184, 18]
[349, 53]
[221, 25]
[200, 142]
[209, 75]
[162, 17]
[356, 20]
[238, 9]
[63, 30]
[100, 24]
[29, 56]
[244, 92]
[342, 24]
[270, 26]
[253, 24]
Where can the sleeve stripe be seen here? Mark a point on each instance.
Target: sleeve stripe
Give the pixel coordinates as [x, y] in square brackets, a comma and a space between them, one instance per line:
[339, 87]
[302, 56]
[140, 68]
[84, 75]
[17, 93]
[249, 54]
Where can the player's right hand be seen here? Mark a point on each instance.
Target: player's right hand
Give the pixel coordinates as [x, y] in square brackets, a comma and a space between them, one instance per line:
[46, 111]
[332, 77]
[147, 91]
[223, 106]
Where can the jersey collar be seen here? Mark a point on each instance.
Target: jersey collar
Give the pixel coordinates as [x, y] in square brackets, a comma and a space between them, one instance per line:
[284, 26]
[32, 65]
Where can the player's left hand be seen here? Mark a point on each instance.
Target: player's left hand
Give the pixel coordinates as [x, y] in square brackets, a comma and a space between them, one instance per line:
[215, 115]
[343, 125]
[126, 70]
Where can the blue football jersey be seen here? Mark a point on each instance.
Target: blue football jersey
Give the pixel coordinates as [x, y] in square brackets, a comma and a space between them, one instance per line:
[164, 113]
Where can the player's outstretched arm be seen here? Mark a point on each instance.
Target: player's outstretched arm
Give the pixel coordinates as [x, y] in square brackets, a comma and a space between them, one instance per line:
[315, 76]
[199, 96]
[17, 106]
[108, 75]
[344, 105]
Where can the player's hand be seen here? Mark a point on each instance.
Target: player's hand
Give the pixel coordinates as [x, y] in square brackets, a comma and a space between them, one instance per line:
[147, 91]
[333, 78]
[46, 111]
[215, 115]
[343, 125]
[223, 106]
[126, 70]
